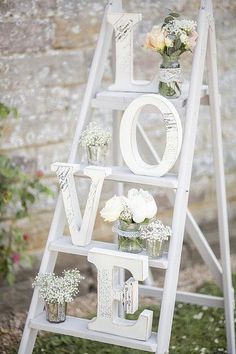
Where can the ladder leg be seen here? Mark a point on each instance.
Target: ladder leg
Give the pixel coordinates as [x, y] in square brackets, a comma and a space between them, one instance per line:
[220, 188]
[47, 265]
[192, 227]
[185, 168]
[95, 75]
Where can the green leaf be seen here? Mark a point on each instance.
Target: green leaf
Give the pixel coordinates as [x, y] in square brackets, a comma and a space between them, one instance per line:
[168, 19]
[4, 111]
[174, 14]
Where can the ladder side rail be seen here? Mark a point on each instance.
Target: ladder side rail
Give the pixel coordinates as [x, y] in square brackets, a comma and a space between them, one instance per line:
[191, 226]
[59, 219]
[47, 265]
[185, 168]
[96, 72]
[217, 145]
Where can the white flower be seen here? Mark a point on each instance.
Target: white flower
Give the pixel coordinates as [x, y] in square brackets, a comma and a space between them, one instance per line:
[198, 316]
[184, 38]
[168, 42]
[139, 205]
[186, 25]
[156, 231]
[142, 205]
[113, 209]
[55, 289]
[95, 135]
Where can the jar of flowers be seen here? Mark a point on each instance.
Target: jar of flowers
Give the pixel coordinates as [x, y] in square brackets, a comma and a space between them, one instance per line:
[95, 140]
[171, 39]
[156, 237]
[130, 213]
[57, 291]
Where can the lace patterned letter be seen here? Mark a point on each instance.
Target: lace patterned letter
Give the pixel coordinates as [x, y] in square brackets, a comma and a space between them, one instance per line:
[110, 293]
[123, 24]
[80, 229]
[128, 142]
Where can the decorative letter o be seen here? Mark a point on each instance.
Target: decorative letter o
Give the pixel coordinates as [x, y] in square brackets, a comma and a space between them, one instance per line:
[128, 141]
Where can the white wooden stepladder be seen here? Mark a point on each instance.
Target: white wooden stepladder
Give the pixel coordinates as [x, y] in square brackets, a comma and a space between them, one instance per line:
[177, 189]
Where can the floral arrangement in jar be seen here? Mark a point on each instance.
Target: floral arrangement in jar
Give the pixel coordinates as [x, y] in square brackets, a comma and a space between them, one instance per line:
[95, 140]
[156, 236]
[130, 213]
[57, 291]
[171, 39]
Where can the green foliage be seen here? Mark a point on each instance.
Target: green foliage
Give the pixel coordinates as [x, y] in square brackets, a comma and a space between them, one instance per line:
[5, 111]
[17, 192]
[196, 330]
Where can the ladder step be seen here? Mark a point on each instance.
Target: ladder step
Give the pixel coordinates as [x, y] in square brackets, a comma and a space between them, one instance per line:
[120, 100]
[78, 327]
[123, 174]
[65, 245]
[184, 296]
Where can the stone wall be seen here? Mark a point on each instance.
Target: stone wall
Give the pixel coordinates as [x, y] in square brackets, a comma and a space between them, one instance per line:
[46, 52]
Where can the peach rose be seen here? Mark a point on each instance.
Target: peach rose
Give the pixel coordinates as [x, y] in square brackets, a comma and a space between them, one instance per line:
[155, 39]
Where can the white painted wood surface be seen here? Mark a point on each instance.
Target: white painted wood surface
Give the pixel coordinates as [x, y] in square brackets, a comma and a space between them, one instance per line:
[64, 244]
[120, 100]
[191, 226]
[123, 174]
[59, 218]
[217, 144]
[107, 319]
[184, 296]
[123, 24]
[78, 327]
[128, 138]
[81, 229]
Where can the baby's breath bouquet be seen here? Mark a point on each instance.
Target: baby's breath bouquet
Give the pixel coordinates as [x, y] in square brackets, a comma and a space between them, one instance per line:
[57, 291]
[156, 236]
[171, 39]
[95, 139]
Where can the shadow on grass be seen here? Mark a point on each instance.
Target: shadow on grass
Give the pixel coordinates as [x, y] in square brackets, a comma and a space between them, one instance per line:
[196, 330]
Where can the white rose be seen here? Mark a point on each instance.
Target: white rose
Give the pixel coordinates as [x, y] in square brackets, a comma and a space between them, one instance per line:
[141, 204]
[137, 205]
[112, 209]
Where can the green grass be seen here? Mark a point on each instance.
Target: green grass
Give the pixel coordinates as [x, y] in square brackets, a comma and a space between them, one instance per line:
[196, 330]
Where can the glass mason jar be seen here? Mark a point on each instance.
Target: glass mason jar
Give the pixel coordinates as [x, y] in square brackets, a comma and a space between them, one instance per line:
[170, 76]
[154, 248]
[97, 154]
[55, 312]
[129, 239]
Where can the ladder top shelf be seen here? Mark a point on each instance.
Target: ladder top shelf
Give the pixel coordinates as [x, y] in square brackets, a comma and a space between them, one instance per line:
[64, 245]
[123, 174]
[116, 100]
[78, 327]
